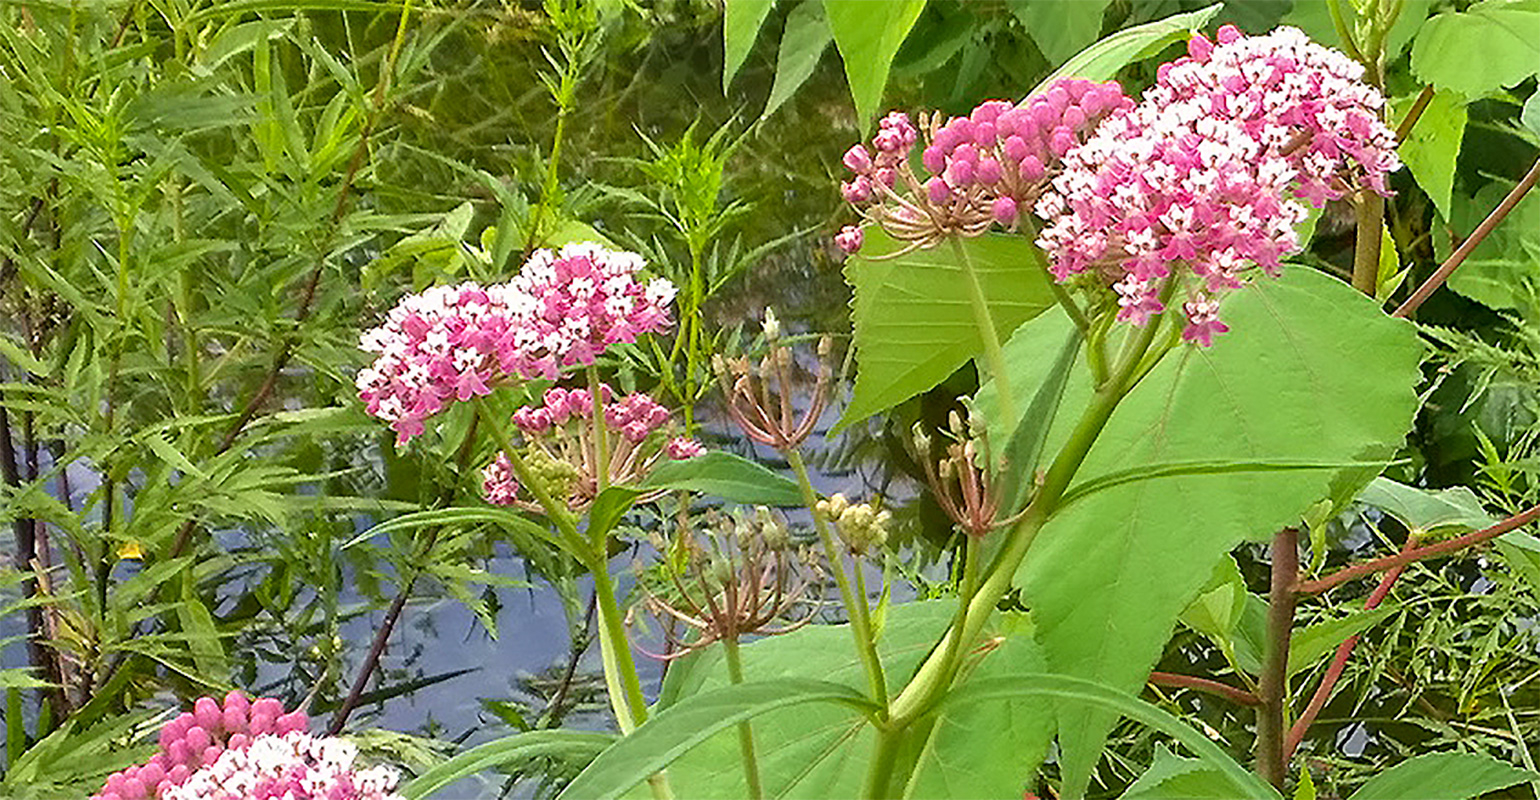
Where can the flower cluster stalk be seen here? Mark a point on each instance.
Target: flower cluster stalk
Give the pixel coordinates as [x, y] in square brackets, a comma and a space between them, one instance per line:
[993, 354]
[860, 615]
[745, 729]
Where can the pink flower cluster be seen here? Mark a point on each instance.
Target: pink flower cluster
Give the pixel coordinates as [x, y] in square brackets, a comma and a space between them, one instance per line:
[561, 429]
[197, 739]
[292, 766]
[1203, 172]
[457, 342]
[982, 167]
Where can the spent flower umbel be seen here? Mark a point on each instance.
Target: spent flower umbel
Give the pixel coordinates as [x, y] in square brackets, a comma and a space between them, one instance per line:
[1207, 171]
[761, 397]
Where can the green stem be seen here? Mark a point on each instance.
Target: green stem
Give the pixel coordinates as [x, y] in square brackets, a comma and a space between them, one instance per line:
[929, 681]
[1029, 229]
[879, 774]
[969, 586]
[1366, 253]
[601, 435]
[745, 730]
[1271, 763]
[993, 354]
[860, 627]
[620, 676]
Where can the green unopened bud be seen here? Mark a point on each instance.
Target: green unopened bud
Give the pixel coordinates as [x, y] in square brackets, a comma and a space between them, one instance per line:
[832, 507]
[921, 440]
[772, 529]
[863, 528]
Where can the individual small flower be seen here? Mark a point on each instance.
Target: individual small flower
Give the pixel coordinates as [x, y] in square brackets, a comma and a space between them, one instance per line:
[1201, 177]
[561, 442]
[982, 167]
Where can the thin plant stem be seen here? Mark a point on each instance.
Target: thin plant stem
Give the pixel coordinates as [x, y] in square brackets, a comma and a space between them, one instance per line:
[1339, 663]
[860, 627]
[1405, 557]
[1414, 113]
[994, 356]
[1273, 690]
[1477, 237]
[601, 434]
[1231, 693]
[745, 730]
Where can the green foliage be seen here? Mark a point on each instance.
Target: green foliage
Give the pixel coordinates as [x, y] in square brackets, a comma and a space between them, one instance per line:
[914, 324]
[1294, 382]
[512, 751]
[1103, 60]
[1061, 28]
[1480, 50]
[741, 21]
[806, 38]
[868, 35]
[1433, 148]
[1456, 776]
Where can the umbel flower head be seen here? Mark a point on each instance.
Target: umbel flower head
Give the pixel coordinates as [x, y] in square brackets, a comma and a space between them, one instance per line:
[1207, 172]
[982, 168]
[458, 342]
[562, 441]
[247, 750]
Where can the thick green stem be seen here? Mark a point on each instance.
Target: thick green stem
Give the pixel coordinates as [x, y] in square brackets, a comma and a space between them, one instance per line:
[745, 730]
[879, 773]
[930, 680]
[993, 354]
[860, 625]
[619, 667]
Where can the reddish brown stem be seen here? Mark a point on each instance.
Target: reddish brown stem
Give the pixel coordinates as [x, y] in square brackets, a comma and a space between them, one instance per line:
[1273, 688]
[1477, 236]
[1234, 695]
[1339, 661]
[1414, 113]
[1419, 553]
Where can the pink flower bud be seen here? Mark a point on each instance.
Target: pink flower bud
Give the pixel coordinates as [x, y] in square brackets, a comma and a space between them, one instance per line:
[984, 134]
[937, 191]
[680, 448]
[292, 722]
[1199, 47]
[886, 176]
[857, 191]
[1031, 169]
[1061, 142]
[858, 160]
[959, 173]
[1004, 210]
[207, 713]
[1016, 149]
[197, 739]
[1229, 34]
[849, 239]
[988, 172]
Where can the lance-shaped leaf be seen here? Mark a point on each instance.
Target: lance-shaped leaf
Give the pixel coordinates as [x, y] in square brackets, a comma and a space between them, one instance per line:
[1444, 775]
[868, 35]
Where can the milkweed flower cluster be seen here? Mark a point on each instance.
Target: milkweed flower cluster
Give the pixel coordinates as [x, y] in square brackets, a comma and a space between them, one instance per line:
[563, 443]
[982, 168]
[247, 750]
[1207, 171]
[458, 342]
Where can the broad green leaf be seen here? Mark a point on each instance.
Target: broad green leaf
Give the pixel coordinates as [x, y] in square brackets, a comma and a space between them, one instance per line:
[1442, 776]
[1061, 28]
[1072, 692]
[1172, 777]
[1504, 270]
[806, 37]
[914, 322]
[1313, 643]
[674, 731]
[1101, 61]
[741, 21]
[1310, 372]
[511, 751]
[868, 36]
[1433, 146]
[726, 476]
[987, 749]
[808, 751]
[1454, 510]
[1529, 116]
[1489, 46]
